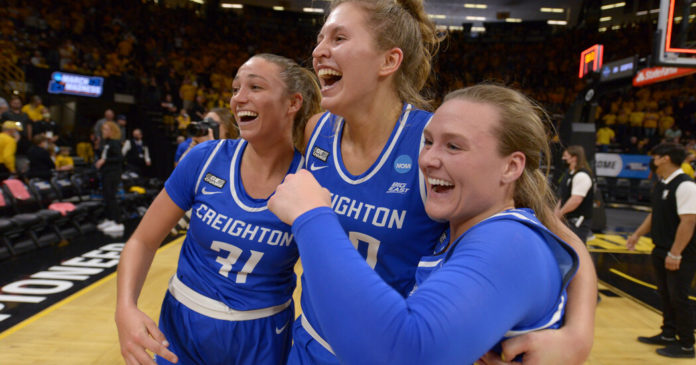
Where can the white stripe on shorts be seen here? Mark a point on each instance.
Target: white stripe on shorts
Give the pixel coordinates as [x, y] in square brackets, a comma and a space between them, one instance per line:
[212, 308]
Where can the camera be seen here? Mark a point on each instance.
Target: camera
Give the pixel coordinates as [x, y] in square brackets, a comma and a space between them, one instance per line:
[200, 129]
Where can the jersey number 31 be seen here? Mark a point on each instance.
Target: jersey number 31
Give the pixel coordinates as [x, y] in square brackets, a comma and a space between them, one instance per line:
[234, 254]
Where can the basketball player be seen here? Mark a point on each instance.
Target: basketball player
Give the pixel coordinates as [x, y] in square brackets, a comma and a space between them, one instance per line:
[482, 164]
[373, 58]
[230, 299]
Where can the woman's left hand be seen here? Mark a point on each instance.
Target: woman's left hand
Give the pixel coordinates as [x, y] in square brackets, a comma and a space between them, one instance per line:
[100, 163]
[298, 194]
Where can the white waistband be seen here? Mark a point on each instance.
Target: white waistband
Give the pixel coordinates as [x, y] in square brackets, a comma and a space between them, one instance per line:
[215, 309]
[310, 330]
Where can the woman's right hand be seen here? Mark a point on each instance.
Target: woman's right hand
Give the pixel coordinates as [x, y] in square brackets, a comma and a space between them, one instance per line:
[298, 194]
[137, 333]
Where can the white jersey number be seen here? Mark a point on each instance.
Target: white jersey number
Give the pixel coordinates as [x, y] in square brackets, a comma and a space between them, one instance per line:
[231, 259]
[372, 246]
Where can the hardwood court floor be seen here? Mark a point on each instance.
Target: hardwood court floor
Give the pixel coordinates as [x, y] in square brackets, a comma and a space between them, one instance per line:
[81, 329]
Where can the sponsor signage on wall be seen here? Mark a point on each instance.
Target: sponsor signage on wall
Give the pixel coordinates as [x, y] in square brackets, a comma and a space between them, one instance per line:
[653, 75]
[620, 165]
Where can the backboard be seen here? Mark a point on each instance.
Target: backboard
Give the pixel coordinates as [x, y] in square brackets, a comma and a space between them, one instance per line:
[676, 25]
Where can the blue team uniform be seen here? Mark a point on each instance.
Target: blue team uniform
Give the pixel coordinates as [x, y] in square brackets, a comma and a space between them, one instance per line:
[230, 299]
[382, 211]
[505, 276]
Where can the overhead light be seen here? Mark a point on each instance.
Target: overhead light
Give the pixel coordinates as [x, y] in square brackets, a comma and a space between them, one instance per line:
[654, 11]
[552, 10]
[456, 27]
[437, 16]
[232, 6]
[612, 6]
[478, 29]
[616, 27]
[313, 10]
[641, 13]
[513, 20]
[477, 18]
[476, 6]
[557, 22]
[605, 19]
[278, 8]
[198, 1]
[602, 29]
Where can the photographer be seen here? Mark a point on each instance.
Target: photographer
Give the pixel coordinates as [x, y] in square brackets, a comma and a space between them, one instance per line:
[213, 126]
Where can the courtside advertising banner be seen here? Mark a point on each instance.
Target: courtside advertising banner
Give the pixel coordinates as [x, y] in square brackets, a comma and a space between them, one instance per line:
[620, 165]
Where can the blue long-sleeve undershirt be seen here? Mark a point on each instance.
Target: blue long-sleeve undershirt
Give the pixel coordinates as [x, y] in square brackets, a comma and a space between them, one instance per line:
[501, 275]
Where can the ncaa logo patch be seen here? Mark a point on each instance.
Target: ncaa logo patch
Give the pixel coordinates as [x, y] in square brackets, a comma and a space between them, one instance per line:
[403, 164]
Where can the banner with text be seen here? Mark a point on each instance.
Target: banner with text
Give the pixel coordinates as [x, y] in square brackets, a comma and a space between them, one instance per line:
[620, 165]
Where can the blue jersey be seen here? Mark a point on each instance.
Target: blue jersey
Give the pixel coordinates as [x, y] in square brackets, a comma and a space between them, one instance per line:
[236, 251]
[381, 210]
[564, 255]
[504, 276]
[181, 148]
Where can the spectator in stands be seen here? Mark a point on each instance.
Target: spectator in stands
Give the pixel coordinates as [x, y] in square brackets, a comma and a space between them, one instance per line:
[633, 147]
[650, 121]
[63, 161]
[609, 119]
[169, 112]
[621, 126]
[183, 120]
[40, 163]
[187, 93]
[605, 137]
[108, 117]
[686, 165]
[16, 114]
[197, 109]
[136, 153]
[8, 147]
[109, 165]
[666, 119]
[635, 119]
[576, 193]
[122, 122]
[671, 226]
[35, 110]
[673, 134]
[3, 106]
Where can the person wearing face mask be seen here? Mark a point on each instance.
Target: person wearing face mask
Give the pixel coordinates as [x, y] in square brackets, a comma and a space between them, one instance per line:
[576, 192]
[481, 160]
[230, 300]
[671, 226]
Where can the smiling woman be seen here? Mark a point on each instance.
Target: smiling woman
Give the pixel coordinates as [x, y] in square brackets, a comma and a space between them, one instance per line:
[231, 297]
[502, 274]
